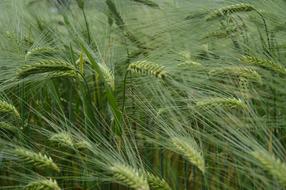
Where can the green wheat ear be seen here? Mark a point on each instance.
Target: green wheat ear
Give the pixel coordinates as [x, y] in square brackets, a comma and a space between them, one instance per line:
[5, 107]
[189, 152]
[62, 139]
[273, 165]
[148, 68]
[38, 160]
[236, 71]
[55, 67]
[264, 63]
[129, 176]
[45, 184]
[241, 7]
[226, 103]
[8, 127]
[39, 51]
[156, 182]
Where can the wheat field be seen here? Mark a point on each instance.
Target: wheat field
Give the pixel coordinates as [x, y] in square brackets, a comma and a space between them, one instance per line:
[142, 94]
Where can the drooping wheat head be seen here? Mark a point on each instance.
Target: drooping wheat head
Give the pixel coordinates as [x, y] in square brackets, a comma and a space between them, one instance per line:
[156, 182]
[241, 7]
[226, 103]
[7, 108]
[272, 165]
[190, 152]
[129, 176]
[264, 63]
[62, 139]
[38, 160]
[54, 67]
[148, 68]
[44, 184]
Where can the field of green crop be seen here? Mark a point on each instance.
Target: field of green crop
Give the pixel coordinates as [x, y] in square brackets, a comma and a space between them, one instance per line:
[142, 94]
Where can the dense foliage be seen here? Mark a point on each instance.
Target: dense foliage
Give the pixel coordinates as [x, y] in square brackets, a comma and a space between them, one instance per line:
[142, 94]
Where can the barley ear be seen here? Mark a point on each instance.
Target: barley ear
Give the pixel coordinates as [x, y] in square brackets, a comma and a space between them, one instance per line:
[5, 107]
[62, 139]
[241, 7]
[226, 103]
[156, 182]
[129, 176]
[190, 152]
[38, 160]
[271, 164]
[148, 68]
[45, 184]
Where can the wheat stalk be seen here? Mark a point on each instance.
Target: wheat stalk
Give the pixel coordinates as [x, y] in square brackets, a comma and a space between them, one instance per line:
[129, 176]
[189, 152]
[227, 103]
[267, 64]
[44, 184]
[241, 7]
[144, 67]
[45, 66]
[156, 182]
[39, 160]
[5, 107]
[273, 165]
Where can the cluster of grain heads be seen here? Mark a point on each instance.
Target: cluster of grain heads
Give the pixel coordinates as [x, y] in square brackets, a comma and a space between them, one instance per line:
[238, 72]
[43, 184]
[56, 68]
[241, 7]
[225, 103]
[264, 63]
[272, 165]
[129, 176]
[38, 160]
[7, 108]
[62, 139]
[189, 151]
[157, 183]
[148, 68]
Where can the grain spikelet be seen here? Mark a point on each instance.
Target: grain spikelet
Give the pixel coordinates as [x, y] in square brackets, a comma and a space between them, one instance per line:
[267, 64]
[238, 72]
[62, 139]
[156, 182]
[241, 7]
[38, 160]
[45, 184]
[144, 67]
[8, 127]
[273, 165]
[39, 51]
[129, 176]
[190, 152]
[45, 66]
[5, 107]
[227, 103]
